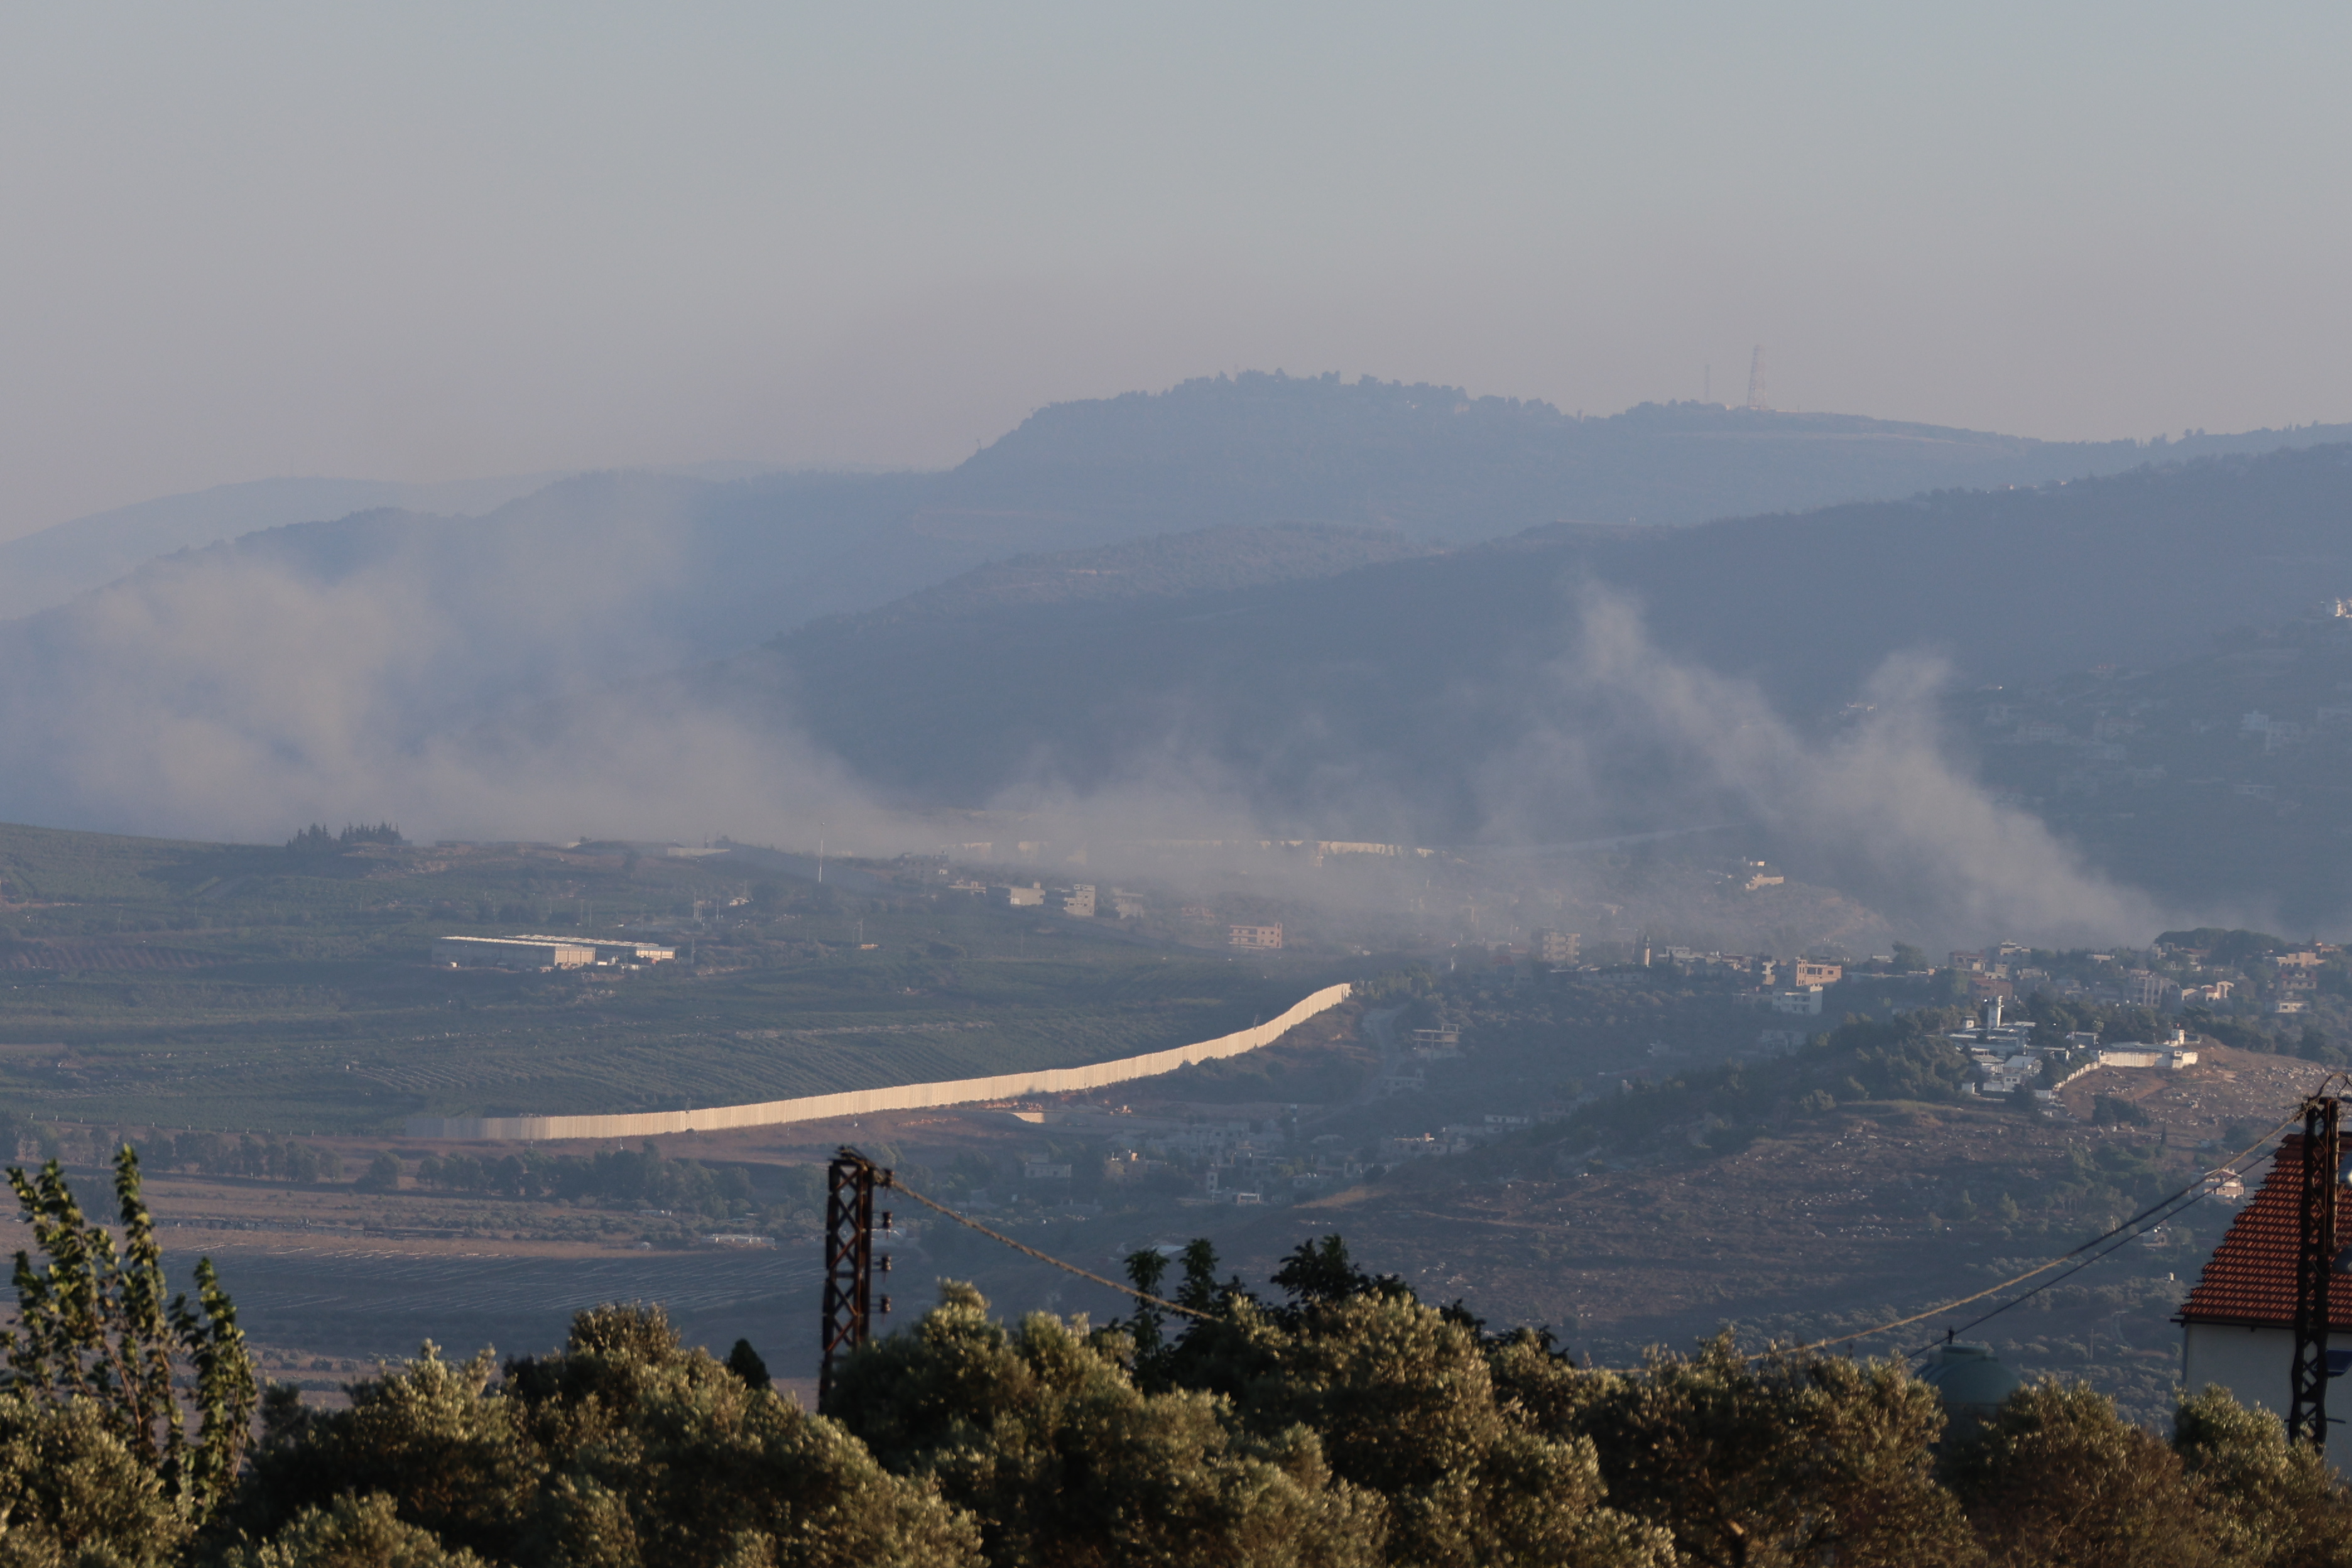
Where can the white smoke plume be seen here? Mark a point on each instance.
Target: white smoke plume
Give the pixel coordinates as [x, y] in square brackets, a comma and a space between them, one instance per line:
[1879, 808]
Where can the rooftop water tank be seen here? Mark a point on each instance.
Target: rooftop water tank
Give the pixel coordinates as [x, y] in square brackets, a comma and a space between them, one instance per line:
[1972, 1381]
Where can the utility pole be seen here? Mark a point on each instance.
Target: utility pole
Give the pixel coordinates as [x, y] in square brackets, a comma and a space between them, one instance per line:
[2306, 1414]
[849, 1261]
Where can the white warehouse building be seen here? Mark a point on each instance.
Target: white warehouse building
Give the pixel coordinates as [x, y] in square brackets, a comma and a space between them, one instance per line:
[544, 952]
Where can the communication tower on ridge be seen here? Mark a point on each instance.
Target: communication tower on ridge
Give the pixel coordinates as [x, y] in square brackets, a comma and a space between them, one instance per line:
[1756, 398]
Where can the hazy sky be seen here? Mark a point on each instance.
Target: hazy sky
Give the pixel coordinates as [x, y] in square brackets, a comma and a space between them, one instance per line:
[425, 242]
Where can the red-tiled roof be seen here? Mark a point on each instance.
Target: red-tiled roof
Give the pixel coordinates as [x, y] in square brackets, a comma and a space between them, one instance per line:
[2251, 1277]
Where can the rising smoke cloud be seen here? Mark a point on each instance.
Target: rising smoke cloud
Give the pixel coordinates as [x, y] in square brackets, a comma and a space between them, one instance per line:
[1879, 807]
[240, 695]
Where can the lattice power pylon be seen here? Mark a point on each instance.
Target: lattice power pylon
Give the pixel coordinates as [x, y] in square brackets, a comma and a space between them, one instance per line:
[1758, 398]
[2307, 1413]
[850, 1264]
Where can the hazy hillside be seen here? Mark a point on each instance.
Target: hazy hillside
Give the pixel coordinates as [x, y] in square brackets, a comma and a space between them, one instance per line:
[1222, 589]
[51, 566]
[1571, 681]
[1209, 560]
[2229, 772]
[2135, 569]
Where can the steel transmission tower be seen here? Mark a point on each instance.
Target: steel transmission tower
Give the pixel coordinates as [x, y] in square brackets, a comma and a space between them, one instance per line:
[2306, 1414]
[1756, 398]
[849, 1261]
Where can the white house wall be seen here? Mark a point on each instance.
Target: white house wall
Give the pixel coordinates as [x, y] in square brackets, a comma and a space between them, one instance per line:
[2257, 1366]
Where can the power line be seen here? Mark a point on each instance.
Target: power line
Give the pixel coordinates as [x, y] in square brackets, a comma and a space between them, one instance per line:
[2163, 1208]
[890, 1179]
[2126, 1230]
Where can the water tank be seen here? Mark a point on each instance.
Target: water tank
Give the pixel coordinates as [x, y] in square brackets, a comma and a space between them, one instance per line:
[1972, 1381]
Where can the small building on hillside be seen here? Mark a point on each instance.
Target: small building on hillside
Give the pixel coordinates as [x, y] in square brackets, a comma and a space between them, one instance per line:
[1260, 939]
[545, 953]
[2135, 1054]
[512, 952]
[2237, 1328]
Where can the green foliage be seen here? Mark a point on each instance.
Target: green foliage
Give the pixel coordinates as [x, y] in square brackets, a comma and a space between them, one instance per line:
[273, 1159]
[1903, 1057]
[2114, 1110]
[316, 840]
[95, 1330]
[73, 1492]
[1349, 1426]
[1748, 1461]
[2057, 1479]
[382, 1173]
[1396, 986]
[449, 1458]
[1045, 1438]
[626, 1447]
[642, 1176]
[353, 1533]
[2224, 945]
[1404, 1400]
[745, 1362]
[1319, 1273]
[2279, 1498]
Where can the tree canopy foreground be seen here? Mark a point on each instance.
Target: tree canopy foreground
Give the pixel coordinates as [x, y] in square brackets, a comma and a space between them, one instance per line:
[1336, 1421]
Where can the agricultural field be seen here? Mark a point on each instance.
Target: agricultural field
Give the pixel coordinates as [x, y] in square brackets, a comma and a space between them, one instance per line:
[1727, 1193]
[290, 990]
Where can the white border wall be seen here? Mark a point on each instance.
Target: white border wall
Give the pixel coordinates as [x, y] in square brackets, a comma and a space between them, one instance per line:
[863, 1102]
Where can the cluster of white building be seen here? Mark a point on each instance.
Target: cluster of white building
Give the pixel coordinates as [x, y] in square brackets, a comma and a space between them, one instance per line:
[2011, 1060]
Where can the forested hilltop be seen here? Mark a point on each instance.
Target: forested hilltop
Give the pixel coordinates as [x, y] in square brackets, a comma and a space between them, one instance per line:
[1439, 462]
[1338, 1421]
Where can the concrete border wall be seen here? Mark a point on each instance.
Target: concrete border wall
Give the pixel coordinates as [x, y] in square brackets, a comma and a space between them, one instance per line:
[861, 1102]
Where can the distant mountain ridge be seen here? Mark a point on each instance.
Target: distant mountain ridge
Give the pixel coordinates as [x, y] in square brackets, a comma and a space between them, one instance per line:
[1436, 463]
[1430, 462]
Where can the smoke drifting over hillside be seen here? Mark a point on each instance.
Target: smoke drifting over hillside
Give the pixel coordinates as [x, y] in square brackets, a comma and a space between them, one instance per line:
[535, 675]
[1877, 808]
[1619, 744]
[235, 696]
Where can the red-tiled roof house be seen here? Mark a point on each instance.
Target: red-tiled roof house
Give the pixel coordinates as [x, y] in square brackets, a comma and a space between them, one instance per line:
[2238, 1325]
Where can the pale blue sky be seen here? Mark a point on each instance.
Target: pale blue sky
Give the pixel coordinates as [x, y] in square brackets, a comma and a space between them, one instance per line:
[430, 241]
